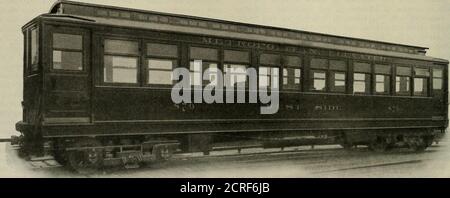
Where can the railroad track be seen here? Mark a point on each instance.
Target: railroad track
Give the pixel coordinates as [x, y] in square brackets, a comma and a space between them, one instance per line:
[329, 159]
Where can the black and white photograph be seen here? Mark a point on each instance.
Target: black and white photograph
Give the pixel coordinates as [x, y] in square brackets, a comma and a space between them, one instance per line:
[224, 89]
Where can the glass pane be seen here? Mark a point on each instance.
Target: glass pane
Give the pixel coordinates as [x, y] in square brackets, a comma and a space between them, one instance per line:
[160, 77]
[34, 49]
[197, 71]
[383, 69]
[67, 41]
[437, 84]
[361, 83]
[156, 76]
[119, 69]
[319, 85]
[291, 78]
[320, 75]
[268, 77]
[293, 61]
[422, 72]
[359, 77]
[297, 73]
[198, 53]
[285, 72]
[382, 84]
[438, 79]
[319, 63]
[319, 81]
[236, 56]
[235, 74]
[402, 84]
[339, 82]
[359, 87]
[161, 64]
[270, 59]
[404, 71]
[438, 73]
[155, 49]
[63, 60]
[362, 67]
[338, 65]
[420, 86]
[121, 47]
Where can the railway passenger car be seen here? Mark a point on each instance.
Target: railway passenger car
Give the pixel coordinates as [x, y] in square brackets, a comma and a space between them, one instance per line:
[97, 87]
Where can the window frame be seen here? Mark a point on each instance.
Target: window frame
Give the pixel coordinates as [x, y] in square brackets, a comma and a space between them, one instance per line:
[84, 52]
[284, 66]
[370, 73]
[427, 80]
[270, 65]
[401, 75]
[219, 61]
[146, 57]
[28, 53]
[366, 74]
[438, 92]
[334, 71]
[374, 79]
[138, 65]
[312, 79]
[328, 72]
[224, 63]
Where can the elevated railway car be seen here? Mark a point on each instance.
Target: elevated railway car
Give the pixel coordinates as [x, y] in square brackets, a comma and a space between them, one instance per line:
[98, 83]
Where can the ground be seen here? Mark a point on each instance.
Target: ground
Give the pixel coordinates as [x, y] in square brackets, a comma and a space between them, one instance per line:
[301, 162]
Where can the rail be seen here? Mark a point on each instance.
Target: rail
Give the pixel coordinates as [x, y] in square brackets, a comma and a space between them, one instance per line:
[5, 140]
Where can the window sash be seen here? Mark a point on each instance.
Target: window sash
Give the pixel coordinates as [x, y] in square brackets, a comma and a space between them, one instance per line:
[265, 78]
[438, 83]
[121, 47]
[196, 74]
[68, 41]
[438, 79]
[34, 49]
[362, 86]
[318, 82]
[382, 86]
[420, 86]
[402, 86]
[61, 65]
[152, 71]
[292, 78]
[338, 84]
[109, 74]
[232, 77]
